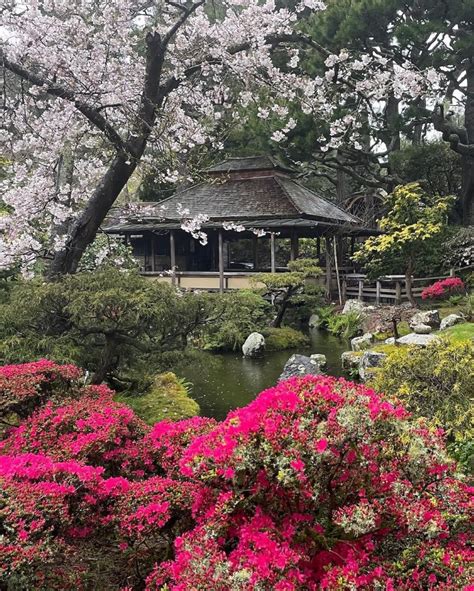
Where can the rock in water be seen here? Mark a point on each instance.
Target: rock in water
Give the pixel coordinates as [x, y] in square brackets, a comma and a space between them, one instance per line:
[314, 321]
[363, 342]
[429, 317]
[417, 339]
[299, 365]
[254, 345]
[422, 329]
[451, 320]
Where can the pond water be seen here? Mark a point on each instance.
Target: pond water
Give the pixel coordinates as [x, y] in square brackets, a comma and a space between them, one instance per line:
[222, 382]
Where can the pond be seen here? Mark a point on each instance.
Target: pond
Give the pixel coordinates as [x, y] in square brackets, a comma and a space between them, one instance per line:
[222, 382]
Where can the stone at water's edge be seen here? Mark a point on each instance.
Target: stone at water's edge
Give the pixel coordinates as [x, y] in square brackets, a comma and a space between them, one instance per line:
[350, 360]
[429, 317]
[314, 321]
[390, 341]
[422, 329]
[320, 359]
[368, 361]
[353, 306]
[299, 365]
[254, 345]
[422, 340]
[363, 342]
[451, 320]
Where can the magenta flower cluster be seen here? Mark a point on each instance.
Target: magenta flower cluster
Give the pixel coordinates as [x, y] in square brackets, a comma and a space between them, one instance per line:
[317, 484]
[443, 289]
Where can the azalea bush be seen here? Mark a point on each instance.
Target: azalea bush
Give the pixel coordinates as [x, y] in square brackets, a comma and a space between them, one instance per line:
[443, 289]
[317, 484]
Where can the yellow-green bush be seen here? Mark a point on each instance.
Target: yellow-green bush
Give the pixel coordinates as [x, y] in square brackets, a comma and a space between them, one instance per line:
[166, 399]
[436, 382]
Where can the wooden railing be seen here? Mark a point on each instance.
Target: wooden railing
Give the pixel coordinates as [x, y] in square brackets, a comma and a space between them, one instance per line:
[390, 288]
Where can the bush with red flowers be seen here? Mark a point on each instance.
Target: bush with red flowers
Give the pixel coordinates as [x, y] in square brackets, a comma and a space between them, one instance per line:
[443, 289]
[317, 484]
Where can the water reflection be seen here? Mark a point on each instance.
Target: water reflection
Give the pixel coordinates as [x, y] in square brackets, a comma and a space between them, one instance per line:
[227, 381]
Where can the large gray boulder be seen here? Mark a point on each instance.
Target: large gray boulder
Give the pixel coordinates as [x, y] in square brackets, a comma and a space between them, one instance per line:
[350, 360]
[422, 329]
[451, 320]
[299, 365]
[320, 360]
[429, 317]
[421, 340]
[363, 342]
[354, 306]
[254, 345]
[368, 361]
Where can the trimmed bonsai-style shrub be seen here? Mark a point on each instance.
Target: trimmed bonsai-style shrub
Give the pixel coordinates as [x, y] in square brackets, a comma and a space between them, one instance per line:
[278, 339]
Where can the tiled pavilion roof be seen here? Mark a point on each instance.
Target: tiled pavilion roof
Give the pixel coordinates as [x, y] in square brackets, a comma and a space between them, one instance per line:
[247, 190]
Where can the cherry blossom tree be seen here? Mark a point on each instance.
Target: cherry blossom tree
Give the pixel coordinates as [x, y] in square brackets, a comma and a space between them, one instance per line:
[95, 88]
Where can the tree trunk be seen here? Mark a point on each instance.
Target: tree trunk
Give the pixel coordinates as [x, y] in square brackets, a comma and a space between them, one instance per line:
[409, 284]
[85, 230]
[121, 167]
[282, 309]
[468, 191]
[468, 159]
[108, 360]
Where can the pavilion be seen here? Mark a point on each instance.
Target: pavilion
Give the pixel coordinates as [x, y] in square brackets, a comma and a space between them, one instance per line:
[253, 202]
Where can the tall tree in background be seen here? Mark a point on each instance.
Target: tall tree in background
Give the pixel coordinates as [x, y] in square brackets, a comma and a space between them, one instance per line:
[421, 34]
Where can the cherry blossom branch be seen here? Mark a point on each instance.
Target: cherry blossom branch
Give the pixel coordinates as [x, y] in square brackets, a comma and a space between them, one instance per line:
[56, 90]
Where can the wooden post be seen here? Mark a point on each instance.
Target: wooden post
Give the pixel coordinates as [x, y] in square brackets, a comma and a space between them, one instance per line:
[294, 246]
[361, 289]
[336, 262]
[255, 252]
[344, 289]
[221, 262]
[398, 293]
[377, 293]
[173, 257]
[272, 252]
[328, 268]
[153, 253]
[318, 247]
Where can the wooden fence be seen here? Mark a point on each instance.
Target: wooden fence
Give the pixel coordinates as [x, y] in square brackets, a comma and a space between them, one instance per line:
[390, 288]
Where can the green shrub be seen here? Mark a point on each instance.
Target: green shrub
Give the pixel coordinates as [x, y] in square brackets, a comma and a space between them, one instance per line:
[237, 314]
[279, 339]
[345, 326]
[435, 382]
[117, 325]
[467, 306]
[325, 313]
[167, 398]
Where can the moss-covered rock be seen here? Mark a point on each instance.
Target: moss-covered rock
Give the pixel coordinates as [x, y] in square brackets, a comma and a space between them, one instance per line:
[167, 398]
[279, 339]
